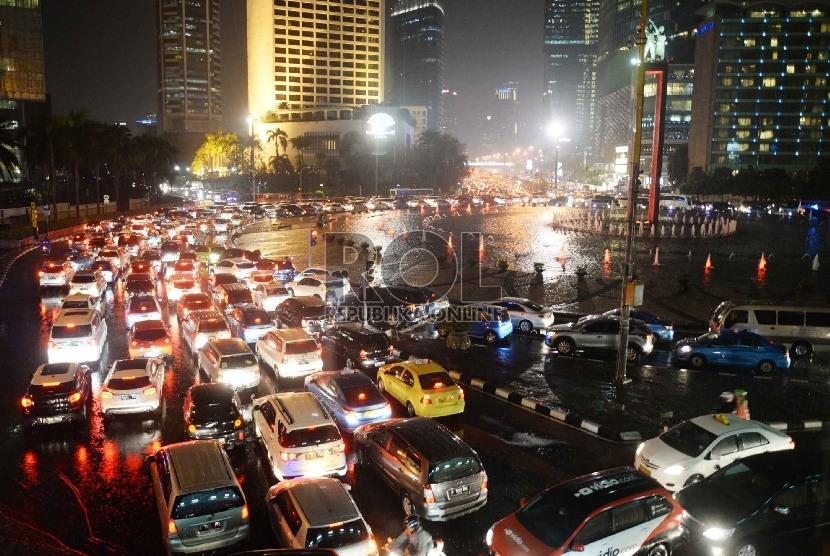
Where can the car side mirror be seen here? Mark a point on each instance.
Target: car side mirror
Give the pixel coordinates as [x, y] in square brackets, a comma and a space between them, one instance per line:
[578, 547]
[783, 510]
[255, 408]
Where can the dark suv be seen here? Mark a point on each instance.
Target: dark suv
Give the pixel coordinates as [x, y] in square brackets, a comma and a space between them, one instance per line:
[352, 341]
[393, 305]
[306, 312]
[58, 393]
[213, 411]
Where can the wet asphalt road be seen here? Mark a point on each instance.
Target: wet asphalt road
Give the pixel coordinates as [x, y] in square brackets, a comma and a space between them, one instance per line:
[91, 492]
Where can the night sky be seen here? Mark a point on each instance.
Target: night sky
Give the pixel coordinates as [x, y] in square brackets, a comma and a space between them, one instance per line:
[102, 56]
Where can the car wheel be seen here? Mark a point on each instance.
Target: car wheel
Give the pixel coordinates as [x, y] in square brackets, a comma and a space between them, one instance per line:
[801, 349]
[565, 346]
[658, 550]
[408, 506]
[632, 354]
[766, 366]
[697, 361]
[84, 416]
[410, 409]
[381, 387]
[491, 338]
[747, 549]
[526, 326]
[693, 479]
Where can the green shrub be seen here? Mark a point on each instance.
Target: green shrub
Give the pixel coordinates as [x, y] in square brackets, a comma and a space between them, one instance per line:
[503, 264]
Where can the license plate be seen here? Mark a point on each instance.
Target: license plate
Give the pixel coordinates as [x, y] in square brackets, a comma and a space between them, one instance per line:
[50, 420]
[209, 526]
[645, 470]
[151, 353]
[303, 362]
[127, 396]
[314, 455]
[458, 490]
[378, 363]
[445, 399]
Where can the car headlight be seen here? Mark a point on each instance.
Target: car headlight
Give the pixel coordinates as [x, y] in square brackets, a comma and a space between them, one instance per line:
[675, 470]
[488, 538]
[640, 448]
[718, 534]
[685, 349]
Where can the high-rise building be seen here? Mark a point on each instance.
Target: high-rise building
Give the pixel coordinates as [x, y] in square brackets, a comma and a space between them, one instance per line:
[417, 51]
[449, 104]
[570, 68]
[22, 82]
[762, 80]
[189, 64]
[507, 115]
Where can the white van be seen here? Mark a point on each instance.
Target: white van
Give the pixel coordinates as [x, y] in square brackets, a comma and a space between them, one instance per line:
[676, 202]
[805, 329]
[77, 336]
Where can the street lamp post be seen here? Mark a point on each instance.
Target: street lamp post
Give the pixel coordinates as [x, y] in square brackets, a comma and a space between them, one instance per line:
[555, 131]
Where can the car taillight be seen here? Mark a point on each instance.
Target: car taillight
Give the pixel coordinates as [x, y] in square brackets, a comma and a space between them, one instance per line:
[786, 354]
[191, 428]
[391, 350]
[27, 402]
[340, 448]
[429, 496]
[150, 391]
[74, 397]
[320, 352]
[303, 323]
[373, 548]
[284, 357]
[362, 354]
[219, 373]
[460, 393]
[426, 400]
[286, 456]
[106, 394]
[171, 528]
[92, 342]
[483, 480]
[53, 345]
[134, 343]
[237, 423]
[244, 514]
[40, 273]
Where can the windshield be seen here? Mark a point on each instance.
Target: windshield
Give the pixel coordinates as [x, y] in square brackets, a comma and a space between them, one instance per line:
[362, 396]
[238, 361]
[433, 381]
[71, 331]
[149, 334]
[336, 536]
[300, 347]
[453, 470]
[688, 438]
[213, 325]
[552, 517]
[128, 383]
[312, 436]
[206, 502]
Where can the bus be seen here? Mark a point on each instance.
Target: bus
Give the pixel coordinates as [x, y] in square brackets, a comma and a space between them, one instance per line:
[805, 329]
[676, 202]
[409, 192]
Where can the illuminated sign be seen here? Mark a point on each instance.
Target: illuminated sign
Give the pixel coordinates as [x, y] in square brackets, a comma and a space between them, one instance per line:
[380, 125]
[708, 27]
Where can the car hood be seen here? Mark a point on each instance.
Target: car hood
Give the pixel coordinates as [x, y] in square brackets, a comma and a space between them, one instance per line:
[688, 342]
[662, 455]
[558, 327]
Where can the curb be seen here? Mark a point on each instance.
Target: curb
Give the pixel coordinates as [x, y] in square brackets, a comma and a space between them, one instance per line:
[556, 414]
[797, 426]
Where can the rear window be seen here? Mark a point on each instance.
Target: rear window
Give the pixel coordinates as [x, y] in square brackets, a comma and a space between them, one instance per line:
[688, 438]
[241, 296]
[453, 470]
[237, 361]
[184, 284]
[215, 325]
[142, 307]
[258, 319]
[312, 436]
[375, 342]
[101, 265]
[337, 535]
[128, 383]
[432, 381]
[207, 502]
[71, 331]
[362, 396]
[276, 290]
[83, 279]
[300, 346]
[75, 305]
[149, 335]
[245, 266]
[214, 411]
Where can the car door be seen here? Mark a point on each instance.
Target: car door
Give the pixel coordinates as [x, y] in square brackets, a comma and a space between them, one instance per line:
[792, 514]
[376, 448]
[724, 451]
[750, 351]
[285, 520]
[751, 443]
[266, 423]
[594, 336]
[162, 488]
[593, 534]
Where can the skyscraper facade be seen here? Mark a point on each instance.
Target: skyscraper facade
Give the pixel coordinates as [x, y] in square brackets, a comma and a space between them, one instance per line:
[570, 68]
[22, 81]
[189, 63]
[507, 116]
[304, 56]
[417, 51]
[449, 111]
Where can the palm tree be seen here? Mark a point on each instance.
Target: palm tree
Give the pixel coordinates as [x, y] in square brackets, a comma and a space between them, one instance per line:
[94, 152]
[9, 164]
[121, 152]
[300, 143]
[158, 158]
[73, 139]
[440, 160]
[279, 138]
[42, 137]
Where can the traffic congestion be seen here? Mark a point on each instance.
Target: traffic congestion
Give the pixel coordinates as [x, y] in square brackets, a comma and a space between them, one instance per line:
[299, 364]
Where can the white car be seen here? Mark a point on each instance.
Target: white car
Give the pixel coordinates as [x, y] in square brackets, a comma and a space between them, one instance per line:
[259, 277]
[695, 449]
[202, 325]
[133, 386]
[268, 296]
[525, 314]
[56, 274]
[90, 282]
[241, 268]
[179, 284]
[316, 286]
[182, 267]
[82, 301]
[328, 273]
[291, 352]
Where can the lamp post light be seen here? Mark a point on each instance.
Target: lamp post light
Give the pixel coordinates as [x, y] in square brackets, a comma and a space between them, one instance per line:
[555, 131]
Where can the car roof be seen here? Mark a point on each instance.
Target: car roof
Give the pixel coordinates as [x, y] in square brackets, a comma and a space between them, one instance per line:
[54, 372]
[421, 368]
[715, 426]
[197, 467]
[293, 334]
[238, 260]
[302, 409]
[149, 325]
[230, 346]
[358, 328]
[77, 296]
[430, 438]
[591, 492]
[347, 379]
[73, 317]
[309, 301]
[324, 501]
[785, 465]
[212, 392]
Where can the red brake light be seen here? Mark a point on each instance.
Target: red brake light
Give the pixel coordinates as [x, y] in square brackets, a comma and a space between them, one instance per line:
[429, 496]
[361, 396]
[363, 354]
[171, 528]
[439, 385]
[285, 456]
[460, 393]
[244, 514]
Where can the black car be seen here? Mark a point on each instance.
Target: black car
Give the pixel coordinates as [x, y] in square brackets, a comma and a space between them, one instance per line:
[721, 208]
[139, 285]
[221, 280]
[284, 270]
[213, 411]
[771, 503]
[353, 341]
[393, 305]
[293, 210]
[58, 393]
[306, 312]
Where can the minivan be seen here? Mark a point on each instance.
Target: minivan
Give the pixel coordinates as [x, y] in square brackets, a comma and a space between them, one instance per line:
[306, 312]
[232, 296]
[228, 360]
[437, 475]
[200, 502]
[77, 336]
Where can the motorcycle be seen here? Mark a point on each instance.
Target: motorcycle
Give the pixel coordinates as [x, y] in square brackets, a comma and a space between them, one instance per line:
[436, 550]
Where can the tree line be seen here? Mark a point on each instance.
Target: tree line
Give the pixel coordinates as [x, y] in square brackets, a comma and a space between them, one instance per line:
[68, 154]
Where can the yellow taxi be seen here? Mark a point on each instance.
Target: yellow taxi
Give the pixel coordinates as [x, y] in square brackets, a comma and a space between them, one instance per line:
[423, 387]
[149, 338]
